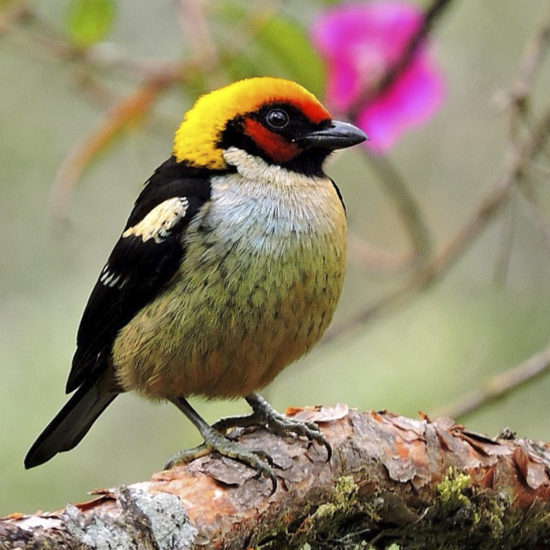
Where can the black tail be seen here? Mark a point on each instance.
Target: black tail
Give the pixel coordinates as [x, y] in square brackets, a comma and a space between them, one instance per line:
[70, 425]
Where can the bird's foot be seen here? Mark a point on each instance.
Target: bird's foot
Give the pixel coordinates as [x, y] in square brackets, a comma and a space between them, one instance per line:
[214, 441]
[186, 455]
[264, 413]
[280, 424]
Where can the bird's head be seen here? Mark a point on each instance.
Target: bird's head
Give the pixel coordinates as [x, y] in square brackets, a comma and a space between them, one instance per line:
[271, 118]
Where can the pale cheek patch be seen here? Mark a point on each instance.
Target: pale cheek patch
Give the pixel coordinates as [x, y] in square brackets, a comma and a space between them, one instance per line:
[159, 222]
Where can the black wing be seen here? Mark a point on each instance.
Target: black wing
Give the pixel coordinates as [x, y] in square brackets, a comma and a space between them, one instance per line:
[144, 259]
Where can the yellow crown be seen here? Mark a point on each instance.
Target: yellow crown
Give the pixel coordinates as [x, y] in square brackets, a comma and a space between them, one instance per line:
[196, 140]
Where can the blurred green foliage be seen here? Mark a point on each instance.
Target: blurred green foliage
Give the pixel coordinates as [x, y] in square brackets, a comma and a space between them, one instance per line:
[289, 45]
[418, 357]
[89, 21]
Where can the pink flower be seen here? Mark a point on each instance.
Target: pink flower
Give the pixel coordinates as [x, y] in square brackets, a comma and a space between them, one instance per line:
[360, 42]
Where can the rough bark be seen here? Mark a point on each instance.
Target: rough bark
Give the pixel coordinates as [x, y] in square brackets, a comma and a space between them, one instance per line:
[418, 483]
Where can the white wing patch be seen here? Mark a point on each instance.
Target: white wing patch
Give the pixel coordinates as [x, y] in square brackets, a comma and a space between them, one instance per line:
[158, 223]
[108, 278]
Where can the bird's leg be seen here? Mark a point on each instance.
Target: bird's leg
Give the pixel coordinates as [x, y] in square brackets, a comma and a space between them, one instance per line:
[264, 413]
[214, 441]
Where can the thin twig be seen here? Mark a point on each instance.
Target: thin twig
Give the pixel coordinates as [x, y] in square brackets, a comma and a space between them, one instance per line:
[453, 251]
[193, 21]
[504, 252]
[407, 207]
[516, 101]
[499, 386]
[530, 195]
[431, 14]
[533, 57]
[518, 161]
[372, 258]
[131, 107]
[15, 14]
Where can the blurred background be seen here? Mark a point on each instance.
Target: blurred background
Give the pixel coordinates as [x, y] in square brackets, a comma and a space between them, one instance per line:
[92, 93]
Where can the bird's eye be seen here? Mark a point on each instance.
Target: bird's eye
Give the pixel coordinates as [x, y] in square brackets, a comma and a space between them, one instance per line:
[277, 118]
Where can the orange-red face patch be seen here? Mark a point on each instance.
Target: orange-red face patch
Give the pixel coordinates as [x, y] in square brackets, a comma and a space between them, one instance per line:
[275, 146]
[313, 110]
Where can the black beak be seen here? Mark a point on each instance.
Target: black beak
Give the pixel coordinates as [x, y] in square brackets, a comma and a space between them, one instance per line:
[338, 135]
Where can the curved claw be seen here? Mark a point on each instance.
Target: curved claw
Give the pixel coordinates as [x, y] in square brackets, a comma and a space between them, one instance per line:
[322, 441]
[257, 459]
[315, 434]
[309, 430]
[268, 473]
[280, 424]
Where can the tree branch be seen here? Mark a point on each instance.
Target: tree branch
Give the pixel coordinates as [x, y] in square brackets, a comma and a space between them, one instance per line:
[405, 204]
[391, 479]
[499, 386]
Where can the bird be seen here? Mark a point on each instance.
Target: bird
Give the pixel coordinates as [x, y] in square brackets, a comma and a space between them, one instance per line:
[229, 268]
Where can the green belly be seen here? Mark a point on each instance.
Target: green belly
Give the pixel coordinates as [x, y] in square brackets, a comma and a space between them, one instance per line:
[230, 324]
